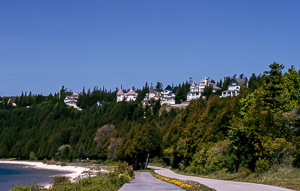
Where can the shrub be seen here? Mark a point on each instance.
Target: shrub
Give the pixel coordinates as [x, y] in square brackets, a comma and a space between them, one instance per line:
[60, 179]
[262, 165]
[279, 151]
[122, 174]
[18, 188]
[206, 160]
[32, 156]
[45, 161]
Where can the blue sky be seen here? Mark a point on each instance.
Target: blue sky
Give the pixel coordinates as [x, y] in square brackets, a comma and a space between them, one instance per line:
[48, 43]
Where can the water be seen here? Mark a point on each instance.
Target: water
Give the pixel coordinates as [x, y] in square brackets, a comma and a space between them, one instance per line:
[19, 175]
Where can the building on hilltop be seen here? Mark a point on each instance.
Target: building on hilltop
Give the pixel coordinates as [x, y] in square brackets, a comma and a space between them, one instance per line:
[166, 97]
[196, 90]
[152, 95]
[72, 100]
[120, 95]
[234, 87]
[129, 96]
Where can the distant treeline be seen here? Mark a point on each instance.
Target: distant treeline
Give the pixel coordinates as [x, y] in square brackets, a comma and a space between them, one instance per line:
[257, 129]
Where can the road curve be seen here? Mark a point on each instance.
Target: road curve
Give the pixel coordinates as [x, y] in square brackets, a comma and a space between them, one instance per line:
[144, 181]
[219, 185]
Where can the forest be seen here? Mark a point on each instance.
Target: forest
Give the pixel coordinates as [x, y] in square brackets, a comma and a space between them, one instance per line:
[257, 129]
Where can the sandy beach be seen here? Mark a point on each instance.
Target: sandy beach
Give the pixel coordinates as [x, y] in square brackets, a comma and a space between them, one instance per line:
[73, 172]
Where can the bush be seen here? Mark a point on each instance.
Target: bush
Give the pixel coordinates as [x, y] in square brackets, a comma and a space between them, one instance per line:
[279, 151]
[296, 157]
[32, 156]
[34, 187]
[262, 165]
[18, 188]
[168, 155]
[45, 160]
[60, 179]
[206, 161]
[122, 174]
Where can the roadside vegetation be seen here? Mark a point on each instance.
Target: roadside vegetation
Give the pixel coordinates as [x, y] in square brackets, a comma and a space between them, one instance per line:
[102, 182]
[187, 185]
[286, 177]
[252, 134]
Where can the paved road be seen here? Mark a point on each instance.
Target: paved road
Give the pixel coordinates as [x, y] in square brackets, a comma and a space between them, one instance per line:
[219, 185]
[144, 181]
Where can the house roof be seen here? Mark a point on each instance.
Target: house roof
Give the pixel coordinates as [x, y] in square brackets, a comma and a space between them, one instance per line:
[193, 84]
[120, 92]
[216, 87]
[241, 81]
[234, 81]
[131, 92]
[152, 90]
[168, 88]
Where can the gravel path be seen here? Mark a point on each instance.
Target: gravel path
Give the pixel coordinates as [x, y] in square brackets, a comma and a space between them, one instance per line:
[219, 185]
[144, 181]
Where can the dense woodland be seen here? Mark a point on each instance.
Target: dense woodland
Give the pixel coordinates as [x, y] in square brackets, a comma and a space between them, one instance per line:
[258, 129]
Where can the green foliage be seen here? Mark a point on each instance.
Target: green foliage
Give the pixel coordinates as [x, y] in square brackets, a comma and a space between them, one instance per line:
[262, 165]
[122, 174]
[32, 156]
[261, 125]
[181, 92]
[60, 180]
[255, 82]
[206, 161]
[159, 87]
[264, 119]
[168, 155]
[208, 91]
[278, 151]
[141, 140]
[18, 188]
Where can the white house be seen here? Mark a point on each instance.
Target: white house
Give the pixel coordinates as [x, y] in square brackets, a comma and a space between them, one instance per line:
[72, 100]
[166, 97]
[129, 96]
[196, 90]
[233, 88]
[120, 95]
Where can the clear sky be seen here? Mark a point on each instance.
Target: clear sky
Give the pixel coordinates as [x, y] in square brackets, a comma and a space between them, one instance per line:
[48, 43]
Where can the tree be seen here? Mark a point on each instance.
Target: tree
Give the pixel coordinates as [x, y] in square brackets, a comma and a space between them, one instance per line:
[273, 86]
[208, 91]
[159, 87]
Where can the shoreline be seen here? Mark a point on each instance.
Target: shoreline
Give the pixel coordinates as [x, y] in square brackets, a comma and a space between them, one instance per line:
[73, 172]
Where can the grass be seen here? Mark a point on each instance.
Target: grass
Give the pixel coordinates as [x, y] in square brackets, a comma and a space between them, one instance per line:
[286, 177]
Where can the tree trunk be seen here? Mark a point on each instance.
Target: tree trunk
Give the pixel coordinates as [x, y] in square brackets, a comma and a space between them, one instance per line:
[135, 165]
[147, 161]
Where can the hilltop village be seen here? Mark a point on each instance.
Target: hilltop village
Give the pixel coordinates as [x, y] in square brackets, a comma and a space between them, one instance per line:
[167, 96]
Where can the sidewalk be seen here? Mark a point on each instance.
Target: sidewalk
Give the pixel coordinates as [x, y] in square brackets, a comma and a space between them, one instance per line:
[144, 181]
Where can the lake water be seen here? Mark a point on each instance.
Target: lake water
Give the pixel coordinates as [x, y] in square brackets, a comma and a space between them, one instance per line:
[19, 175]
